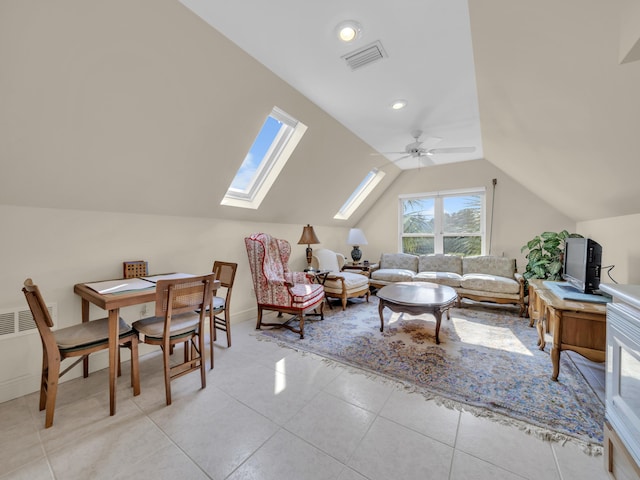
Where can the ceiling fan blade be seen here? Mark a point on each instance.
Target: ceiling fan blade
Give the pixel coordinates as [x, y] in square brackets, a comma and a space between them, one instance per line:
[431, 142]
[435, 151]
[388, 153]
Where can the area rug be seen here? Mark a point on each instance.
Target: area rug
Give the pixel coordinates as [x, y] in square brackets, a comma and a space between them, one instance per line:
[487, 363]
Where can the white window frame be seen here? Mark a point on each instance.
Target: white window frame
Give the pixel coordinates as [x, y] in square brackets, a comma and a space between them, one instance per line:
[438, 214]
[270, 166]
[362, 191]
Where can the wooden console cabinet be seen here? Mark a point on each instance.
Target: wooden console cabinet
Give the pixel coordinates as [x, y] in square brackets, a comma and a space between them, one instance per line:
[576, 326]
[617, 459]
[622, 383]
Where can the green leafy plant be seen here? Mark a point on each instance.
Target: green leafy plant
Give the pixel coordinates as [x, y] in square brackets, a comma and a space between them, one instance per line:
[545, 255]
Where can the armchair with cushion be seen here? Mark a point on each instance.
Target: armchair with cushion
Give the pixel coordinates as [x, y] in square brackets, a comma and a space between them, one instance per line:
[276, 287]
[339, 284]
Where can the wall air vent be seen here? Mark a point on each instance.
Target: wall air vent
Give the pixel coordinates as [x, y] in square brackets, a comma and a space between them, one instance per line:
[19, 321]
[365, 55]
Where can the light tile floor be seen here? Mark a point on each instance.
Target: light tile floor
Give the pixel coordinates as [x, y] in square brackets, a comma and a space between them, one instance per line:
[268, 413]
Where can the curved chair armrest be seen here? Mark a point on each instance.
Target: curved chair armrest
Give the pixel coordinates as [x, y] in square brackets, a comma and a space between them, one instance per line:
[374, 267]
[292, 278]
[278, 282]
[521, 280]
[336, 276]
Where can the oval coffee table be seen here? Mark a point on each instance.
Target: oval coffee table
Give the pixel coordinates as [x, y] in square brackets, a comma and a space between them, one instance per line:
[417, 298]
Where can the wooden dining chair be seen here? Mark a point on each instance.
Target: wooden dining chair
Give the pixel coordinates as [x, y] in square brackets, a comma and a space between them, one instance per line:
[134, 269]
[220, 319]
[179, 318]
[78, 340]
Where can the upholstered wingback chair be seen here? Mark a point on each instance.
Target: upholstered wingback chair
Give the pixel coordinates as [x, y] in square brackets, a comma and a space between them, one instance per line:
[277, 288]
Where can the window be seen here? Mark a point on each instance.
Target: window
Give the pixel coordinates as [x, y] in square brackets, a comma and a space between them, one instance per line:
[443, 222]
[268, 155]
[359, 194]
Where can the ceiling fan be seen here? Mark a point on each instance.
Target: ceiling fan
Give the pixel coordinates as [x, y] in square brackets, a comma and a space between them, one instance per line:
[421, 149]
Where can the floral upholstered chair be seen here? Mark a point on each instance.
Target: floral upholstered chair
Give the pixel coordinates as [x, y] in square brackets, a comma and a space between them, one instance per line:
[277, 288]
[339, 284]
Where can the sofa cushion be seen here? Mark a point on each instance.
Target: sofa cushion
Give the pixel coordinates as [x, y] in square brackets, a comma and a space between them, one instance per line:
[490, 265]
[393, 275]
[440, 263]
[404, 261]
[450, 279]
[489, 283]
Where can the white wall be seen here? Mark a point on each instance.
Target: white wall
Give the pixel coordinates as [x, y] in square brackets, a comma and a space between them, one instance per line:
[519, 214]
[57, 137]
[105, 104]
[59, 248]
[620, 246]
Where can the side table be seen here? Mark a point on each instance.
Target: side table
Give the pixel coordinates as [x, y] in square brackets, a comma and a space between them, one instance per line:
[360, 268]
[575, 326]
[320, 276]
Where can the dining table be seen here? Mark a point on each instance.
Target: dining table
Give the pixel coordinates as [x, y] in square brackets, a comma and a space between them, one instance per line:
[111, 296]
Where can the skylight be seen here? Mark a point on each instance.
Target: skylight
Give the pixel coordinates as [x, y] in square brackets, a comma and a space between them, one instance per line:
[268, 155]
[359, 194]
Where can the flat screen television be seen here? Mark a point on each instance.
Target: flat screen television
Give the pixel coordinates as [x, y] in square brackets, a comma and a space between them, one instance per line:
[582, 260]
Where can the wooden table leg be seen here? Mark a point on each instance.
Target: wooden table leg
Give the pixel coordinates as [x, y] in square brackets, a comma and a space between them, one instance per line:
[533, 298]
[555, 359]
[555, 318]
[541, 325]
[114, 316]
[85, 318]
[438, 314]
[541, 328]
[380, 309]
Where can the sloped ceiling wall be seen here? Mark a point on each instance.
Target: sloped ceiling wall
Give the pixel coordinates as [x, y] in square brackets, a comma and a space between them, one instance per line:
[142, 107]
[558, 112]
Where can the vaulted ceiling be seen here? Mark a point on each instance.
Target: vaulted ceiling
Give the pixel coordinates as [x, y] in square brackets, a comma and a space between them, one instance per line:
[145, 107]
[558, 110]
[559, 95]
[425, 58]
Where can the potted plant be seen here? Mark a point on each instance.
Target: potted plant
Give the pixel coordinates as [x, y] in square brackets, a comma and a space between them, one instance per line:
[545, 257]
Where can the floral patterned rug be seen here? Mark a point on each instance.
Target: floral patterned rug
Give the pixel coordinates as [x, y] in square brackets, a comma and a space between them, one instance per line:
[487, 363]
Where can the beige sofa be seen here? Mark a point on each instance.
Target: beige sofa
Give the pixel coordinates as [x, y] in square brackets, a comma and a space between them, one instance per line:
[483, 278]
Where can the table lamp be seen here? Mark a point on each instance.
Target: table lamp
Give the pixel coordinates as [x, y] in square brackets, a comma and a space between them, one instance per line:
[356, 238]
[309, 238]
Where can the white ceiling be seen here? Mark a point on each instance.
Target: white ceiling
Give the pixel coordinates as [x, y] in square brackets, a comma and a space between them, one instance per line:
[429, 63]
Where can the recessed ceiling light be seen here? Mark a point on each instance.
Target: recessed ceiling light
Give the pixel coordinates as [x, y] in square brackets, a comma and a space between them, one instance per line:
[398, 104]
[348, 31]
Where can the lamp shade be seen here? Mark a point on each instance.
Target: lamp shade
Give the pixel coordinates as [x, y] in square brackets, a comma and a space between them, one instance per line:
[356, 237]
[308, 236]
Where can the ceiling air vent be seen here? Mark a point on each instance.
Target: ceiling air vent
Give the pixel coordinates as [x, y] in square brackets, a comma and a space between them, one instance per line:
[365, 55]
